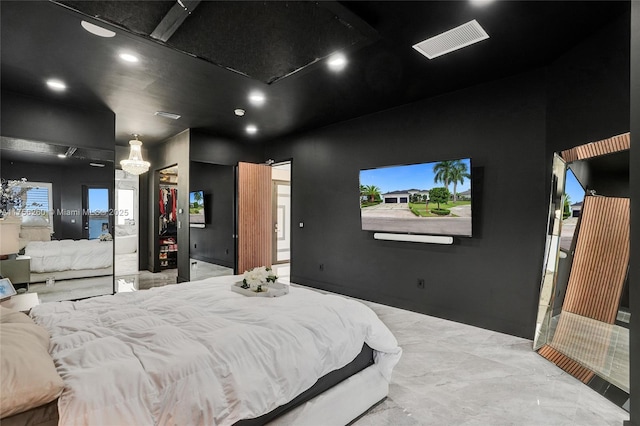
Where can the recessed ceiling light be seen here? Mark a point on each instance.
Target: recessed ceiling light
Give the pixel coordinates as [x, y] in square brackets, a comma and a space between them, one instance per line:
[251, 129]
[257, 98]
[96, 30]
[454, 39]
[337, 62]
[62, 156]
[96, 164]
[56, 85]
[239, 112]
[128, 57]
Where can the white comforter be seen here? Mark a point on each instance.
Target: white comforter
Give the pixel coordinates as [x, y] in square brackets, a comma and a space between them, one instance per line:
[65, 255]
[199, 354]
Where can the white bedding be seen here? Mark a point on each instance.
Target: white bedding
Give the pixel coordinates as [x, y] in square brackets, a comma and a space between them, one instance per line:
[198, 353]
[65, 255]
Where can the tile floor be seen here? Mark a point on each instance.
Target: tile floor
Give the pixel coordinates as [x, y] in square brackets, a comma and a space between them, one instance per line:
[456, 374]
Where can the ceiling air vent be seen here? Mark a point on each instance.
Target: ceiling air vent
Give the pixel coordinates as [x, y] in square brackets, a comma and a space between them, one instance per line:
[454, 39]
[167, 115]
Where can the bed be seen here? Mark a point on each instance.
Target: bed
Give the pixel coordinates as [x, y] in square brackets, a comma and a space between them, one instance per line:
[198, 353]
[67, 259]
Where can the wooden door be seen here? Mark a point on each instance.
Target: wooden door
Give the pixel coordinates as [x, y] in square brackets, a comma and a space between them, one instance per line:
[254, 216]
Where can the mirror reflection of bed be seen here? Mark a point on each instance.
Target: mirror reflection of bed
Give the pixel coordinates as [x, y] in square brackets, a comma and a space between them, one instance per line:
[64, 263]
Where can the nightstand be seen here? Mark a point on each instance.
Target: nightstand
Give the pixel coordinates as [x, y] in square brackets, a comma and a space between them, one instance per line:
[22, 302]
[18, 270]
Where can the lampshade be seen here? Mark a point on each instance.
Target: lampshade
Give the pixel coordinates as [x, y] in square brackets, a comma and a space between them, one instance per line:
[135, 164]
[9, 236]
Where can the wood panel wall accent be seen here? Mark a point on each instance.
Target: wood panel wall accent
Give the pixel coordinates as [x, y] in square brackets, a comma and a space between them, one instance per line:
[600, 260]
[567, 364]
[598, 272]
[606, 146]
[254, 216]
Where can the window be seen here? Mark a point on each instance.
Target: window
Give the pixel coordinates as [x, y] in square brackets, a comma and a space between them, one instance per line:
[38, 203]
[124, 206]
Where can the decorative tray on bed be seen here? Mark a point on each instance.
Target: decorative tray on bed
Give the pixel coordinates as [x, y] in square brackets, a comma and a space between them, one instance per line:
[273, 290]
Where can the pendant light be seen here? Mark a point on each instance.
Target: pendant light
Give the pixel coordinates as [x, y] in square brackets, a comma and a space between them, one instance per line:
[135, 164]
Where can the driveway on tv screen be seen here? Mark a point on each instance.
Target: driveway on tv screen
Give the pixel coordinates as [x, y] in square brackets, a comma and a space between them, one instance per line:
[396, 217]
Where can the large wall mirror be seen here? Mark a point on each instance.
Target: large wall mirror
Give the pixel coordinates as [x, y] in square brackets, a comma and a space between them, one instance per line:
[583, 317]
[212, 228]
[67, 223]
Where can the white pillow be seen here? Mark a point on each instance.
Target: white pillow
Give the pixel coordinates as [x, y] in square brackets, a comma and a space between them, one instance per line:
[29, 377]
[35, 233]
[34, 220]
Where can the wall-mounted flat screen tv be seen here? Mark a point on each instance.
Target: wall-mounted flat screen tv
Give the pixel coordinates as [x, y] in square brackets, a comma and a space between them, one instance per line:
[427, 198]
[196, 207]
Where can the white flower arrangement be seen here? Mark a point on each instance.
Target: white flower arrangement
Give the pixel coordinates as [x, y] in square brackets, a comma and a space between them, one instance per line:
[106, 237]
[13, 194]
[257, 279]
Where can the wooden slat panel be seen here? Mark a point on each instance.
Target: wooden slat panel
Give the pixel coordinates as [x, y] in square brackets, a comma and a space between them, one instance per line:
[570, 155]
[585, 340]
[600, 260]
[595, 149]
[254, 216]
[567, 364]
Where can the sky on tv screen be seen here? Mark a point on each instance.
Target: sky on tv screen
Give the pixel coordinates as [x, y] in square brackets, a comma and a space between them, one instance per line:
[413, 176]
[192, 196]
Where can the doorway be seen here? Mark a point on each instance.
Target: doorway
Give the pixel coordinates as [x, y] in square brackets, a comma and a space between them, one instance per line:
[281, 200]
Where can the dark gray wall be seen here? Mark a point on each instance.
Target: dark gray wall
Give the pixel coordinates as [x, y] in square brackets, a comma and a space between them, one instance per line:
[67, 180]
[510, 128]
[215, 242]
[209, 148]
[48, 121]
[588, 89]
[491, 280]
[634, 272]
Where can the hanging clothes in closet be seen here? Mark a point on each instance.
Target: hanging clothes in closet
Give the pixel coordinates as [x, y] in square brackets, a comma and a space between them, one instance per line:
[167, 203]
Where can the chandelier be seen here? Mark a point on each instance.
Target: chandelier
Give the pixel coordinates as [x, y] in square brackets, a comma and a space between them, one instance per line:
[135, 164]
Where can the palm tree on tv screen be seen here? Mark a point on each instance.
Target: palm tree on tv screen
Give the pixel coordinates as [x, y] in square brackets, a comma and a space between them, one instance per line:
[458, 174]
[197, 198]
[443, 172]
[371, 191]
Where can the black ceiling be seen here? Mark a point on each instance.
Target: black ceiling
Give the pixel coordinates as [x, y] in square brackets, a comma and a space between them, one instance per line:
[266, 41]
[224, 50]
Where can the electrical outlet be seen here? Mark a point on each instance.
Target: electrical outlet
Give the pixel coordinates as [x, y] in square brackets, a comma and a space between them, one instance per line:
[421, 283]
[322, 266]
